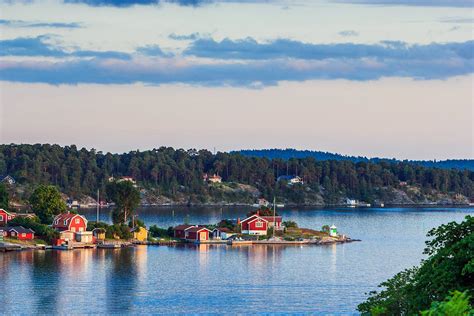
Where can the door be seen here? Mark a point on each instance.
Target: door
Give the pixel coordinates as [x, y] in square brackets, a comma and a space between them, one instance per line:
[202, 236]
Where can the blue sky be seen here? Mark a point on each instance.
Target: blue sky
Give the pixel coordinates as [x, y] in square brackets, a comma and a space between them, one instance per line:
[240, 45]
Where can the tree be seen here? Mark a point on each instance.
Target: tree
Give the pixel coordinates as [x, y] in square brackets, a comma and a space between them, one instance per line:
[4, 200]
[449, 267]
[126, 198]
[46, 202]
[456, 304]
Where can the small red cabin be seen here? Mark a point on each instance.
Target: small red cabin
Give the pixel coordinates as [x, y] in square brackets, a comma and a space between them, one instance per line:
[197, 233]
[180, 231]
[5, 217]
[20, 233]
[72, 222]
[254, 225]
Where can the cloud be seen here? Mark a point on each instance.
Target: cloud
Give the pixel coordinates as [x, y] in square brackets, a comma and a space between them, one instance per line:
[348, 33]
[457, 20]
[129, 3]
[189, 37]
[151, 50]
[39, 46]
[250, 74]
[243, 62]
[21, 23]
[423, 3]
[283, 48]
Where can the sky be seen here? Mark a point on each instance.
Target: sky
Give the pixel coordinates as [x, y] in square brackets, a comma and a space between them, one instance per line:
[376, 78]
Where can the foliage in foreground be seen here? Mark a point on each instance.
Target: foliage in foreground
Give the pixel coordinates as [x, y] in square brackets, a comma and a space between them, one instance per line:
[457, 304]
[46, 202]
[449, 267]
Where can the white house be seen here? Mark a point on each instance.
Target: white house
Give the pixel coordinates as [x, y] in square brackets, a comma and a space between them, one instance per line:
[291, 180]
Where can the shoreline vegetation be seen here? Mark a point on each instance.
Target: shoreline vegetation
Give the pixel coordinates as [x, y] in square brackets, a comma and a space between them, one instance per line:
[167, 176]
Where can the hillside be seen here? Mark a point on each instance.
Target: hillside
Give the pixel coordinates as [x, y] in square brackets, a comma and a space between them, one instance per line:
[459, 164]
[175, 176]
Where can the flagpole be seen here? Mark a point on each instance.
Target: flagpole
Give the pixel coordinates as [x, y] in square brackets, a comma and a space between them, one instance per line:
[98, 205]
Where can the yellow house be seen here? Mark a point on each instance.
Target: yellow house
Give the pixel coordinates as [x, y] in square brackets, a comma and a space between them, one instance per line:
[99, 233]
[140, 233]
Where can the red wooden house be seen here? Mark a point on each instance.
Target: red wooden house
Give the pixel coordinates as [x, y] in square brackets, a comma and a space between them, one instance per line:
[273, 221]
[191, 232]
[180, 231]
[70, 222]
[254, 225]
[5, 217]
[197, 233]
[20, 233]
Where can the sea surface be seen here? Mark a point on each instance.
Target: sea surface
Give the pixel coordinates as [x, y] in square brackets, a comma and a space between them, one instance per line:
[219, 279]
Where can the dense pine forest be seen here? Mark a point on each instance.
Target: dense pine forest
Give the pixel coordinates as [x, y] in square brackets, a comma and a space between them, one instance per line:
[177, 175]
[289, 153]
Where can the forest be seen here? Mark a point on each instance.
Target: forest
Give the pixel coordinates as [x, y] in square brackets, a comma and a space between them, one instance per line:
[177, 172]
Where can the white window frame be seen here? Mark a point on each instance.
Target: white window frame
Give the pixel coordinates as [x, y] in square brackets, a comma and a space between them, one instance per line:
[259, 224]
[78, 220]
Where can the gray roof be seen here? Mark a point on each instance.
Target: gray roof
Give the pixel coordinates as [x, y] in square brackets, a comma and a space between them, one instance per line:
[21, 229]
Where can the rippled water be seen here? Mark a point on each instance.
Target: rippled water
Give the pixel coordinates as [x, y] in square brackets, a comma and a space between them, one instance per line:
[223, 279]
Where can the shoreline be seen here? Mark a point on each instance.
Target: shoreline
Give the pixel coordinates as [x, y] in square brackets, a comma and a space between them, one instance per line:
[321, 206]
[9, 247]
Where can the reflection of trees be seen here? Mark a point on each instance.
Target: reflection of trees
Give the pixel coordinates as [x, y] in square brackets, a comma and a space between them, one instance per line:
[121, 280]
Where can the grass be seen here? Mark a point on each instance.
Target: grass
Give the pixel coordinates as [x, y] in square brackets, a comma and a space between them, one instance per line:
[24, 242]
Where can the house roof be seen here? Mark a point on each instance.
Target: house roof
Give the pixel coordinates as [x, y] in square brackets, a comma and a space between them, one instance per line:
[3, 210]
[183, 227]
[254, 217]
[272, 219]
[63, 220]
[223, 229]
[21, 230]
[197, 229]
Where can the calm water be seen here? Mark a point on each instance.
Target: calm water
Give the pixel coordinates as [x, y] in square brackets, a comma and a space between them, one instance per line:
[223, 279]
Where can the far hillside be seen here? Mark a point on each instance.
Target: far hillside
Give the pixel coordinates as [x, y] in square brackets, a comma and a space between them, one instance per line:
[188, 177]
[289, 153]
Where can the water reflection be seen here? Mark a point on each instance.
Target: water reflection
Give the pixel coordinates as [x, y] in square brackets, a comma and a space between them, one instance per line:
[121, 279]
[216, 279]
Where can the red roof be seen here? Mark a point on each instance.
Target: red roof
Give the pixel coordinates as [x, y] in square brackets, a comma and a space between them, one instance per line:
[271, 219]
[255, 216]
[183, 227]
[62, 221]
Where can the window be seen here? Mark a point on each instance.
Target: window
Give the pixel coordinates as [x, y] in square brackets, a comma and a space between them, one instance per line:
[78, 220]
[12, 234]
[65, 222]
[259, 224]
[73, 229]
[1, 218]
[23, 235]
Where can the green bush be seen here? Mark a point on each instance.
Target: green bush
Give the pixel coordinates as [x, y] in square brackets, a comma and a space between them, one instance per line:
[158, 232]
[456, 304]
[448, 268]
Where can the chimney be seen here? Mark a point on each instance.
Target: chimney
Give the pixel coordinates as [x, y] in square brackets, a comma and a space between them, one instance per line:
[258, 212]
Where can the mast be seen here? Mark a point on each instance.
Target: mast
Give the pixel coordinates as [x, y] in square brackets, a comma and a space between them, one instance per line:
[274, 212]
[98, 205]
